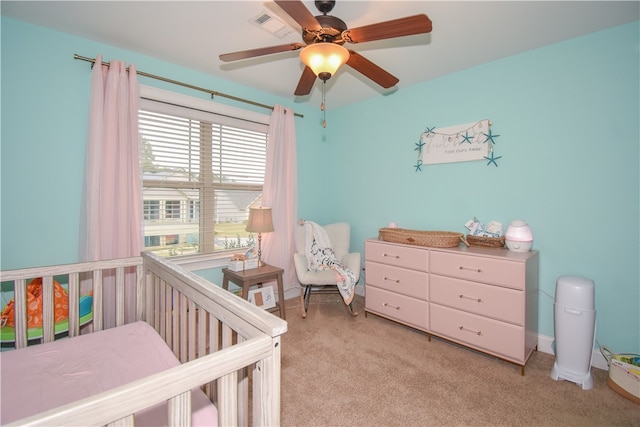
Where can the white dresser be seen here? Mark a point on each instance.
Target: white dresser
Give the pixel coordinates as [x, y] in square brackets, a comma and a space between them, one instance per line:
[483, 298]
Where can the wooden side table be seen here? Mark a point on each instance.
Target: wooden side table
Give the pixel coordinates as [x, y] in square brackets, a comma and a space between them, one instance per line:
[256, 276]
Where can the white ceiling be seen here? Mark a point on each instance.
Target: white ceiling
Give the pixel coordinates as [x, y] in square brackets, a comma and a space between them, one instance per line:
[193, 34]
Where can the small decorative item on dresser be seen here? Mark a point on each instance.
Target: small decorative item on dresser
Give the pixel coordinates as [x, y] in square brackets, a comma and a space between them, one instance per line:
[519, 237]
[434, 239]
[487, 242]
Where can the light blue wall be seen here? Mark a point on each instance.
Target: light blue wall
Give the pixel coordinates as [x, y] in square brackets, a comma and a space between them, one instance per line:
[567, 115]
[568, 120]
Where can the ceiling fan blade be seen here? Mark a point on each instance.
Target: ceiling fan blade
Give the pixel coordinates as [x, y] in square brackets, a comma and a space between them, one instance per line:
[251, 53]
[416, 24]
[371, 70]
[299, 12]
[307, 79]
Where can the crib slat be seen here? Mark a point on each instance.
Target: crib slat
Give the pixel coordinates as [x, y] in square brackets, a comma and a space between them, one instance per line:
[98, 312]
[175, 321]
[243, 393]
[142, 286]
[74, 301]
[156, 306]
[120, 296]
[167, 313]
[215, 341]
[184, 319]
[228, 400]
[192, 327]
[266, 378]
[179, 408]
[202, 332]
[159, 305]
[47, 309]
[163, 311]
[20, 305]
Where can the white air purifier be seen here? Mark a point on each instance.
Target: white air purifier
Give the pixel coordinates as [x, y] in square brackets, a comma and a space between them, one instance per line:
[574, 318]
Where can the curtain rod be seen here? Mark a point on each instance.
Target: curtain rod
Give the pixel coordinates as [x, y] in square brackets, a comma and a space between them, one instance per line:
[175, 82]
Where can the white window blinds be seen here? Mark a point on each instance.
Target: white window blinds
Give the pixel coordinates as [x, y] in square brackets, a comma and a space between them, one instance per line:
[201, 172]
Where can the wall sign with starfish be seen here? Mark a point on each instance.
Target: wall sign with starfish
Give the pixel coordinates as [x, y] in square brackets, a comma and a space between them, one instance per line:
[461, 143]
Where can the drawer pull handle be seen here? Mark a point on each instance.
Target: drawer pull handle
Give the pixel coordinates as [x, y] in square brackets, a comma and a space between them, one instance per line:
[462, 328]
[470, 268]
[392, 256]
[393, 280]
[468, 297]
[384, 304]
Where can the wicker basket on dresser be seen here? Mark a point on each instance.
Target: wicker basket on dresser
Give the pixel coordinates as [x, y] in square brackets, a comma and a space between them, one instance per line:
[483, 298]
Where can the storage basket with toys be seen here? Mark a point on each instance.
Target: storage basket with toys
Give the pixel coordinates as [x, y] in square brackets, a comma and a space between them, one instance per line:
[242, 262]
[485, 241]
[624, 373]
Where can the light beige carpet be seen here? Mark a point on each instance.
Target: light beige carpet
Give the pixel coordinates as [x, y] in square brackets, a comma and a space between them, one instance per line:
[339, 370]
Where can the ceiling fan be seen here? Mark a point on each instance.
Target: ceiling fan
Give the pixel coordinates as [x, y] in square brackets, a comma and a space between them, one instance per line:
[324, 36]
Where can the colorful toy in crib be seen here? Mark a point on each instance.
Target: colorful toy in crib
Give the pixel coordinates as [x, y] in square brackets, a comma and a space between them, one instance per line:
[34, 305]
[34, 312]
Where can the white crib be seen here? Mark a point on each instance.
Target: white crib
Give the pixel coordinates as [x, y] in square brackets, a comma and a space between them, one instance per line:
[225, 345]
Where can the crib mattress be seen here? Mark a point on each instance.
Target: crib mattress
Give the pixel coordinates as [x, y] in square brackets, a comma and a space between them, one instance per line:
[42, 377]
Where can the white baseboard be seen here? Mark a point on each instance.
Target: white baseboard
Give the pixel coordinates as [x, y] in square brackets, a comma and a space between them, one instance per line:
[545, 345]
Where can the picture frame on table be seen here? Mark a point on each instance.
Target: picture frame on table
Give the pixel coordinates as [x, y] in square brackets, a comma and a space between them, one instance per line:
[262, 297]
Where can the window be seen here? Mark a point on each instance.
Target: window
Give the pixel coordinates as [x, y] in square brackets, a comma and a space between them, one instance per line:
[202, 170]
[172, 209]
[151, 210]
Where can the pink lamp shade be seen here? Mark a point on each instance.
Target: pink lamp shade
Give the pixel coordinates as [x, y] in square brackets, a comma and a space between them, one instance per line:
[260, 220]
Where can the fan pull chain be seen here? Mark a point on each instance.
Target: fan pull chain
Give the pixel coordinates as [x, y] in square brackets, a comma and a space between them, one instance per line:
[324, 113]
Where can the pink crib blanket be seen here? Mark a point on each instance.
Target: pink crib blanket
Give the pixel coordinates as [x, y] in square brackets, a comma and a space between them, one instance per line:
[43, 377]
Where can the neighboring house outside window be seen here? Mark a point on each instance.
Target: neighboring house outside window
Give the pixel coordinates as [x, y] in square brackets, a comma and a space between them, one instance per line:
[203, 167]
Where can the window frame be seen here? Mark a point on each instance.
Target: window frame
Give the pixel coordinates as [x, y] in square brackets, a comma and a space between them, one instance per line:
[206, 260]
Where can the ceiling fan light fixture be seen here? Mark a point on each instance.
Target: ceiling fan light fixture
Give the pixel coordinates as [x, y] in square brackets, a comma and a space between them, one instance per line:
[324, 58]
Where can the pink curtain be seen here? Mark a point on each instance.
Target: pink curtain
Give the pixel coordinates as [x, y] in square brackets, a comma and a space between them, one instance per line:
[112, 223]
[280, 193]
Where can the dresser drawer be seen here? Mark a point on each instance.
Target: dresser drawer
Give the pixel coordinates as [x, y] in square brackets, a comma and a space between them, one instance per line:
[499, 338]
[401, 308]
[479, 269]
[487, 300]
[401, 280]
[399, 256]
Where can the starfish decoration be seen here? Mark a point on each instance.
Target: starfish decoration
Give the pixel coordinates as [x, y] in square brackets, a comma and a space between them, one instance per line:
[492, 159]
[418, 165]
[466, 138]
[429, 130]
[490, 137]
[419, 146]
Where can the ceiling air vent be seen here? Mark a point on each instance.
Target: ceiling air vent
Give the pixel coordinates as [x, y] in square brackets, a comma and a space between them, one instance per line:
[271, 24]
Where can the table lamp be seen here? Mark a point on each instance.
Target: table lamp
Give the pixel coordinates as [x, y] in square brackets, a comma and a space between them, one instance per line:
[259, 222]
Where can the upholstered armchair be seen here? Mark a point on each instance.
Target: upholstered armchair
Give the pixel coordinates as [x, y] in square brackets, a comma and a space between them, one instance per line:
[322, 281]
